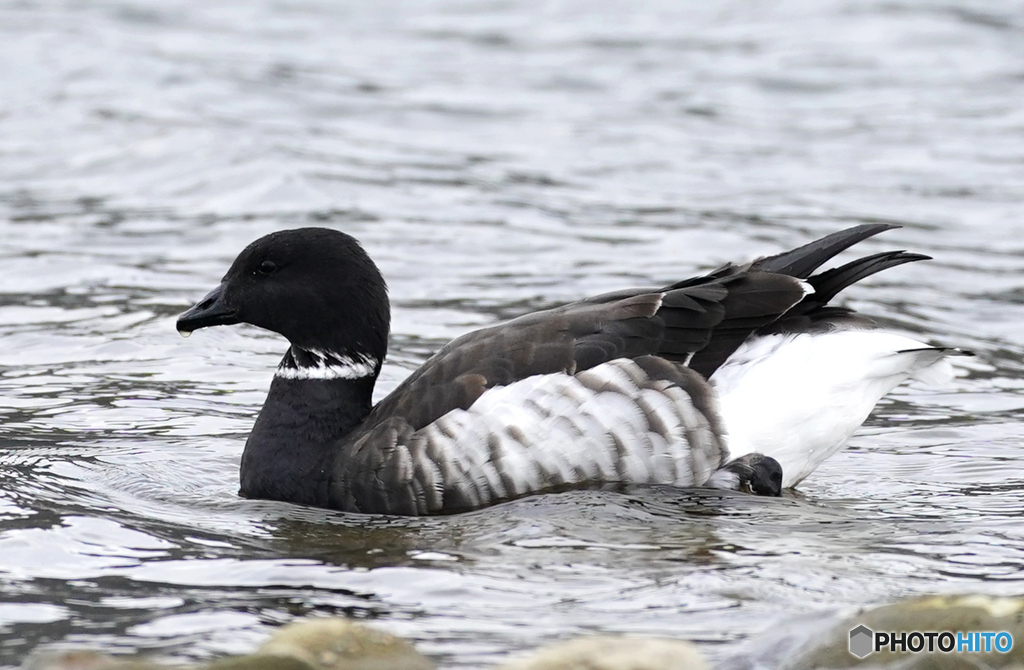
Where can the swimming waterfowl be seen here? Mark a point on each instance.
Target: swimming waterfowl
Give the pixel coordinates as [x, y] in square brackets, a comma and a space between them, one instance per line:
[742, 378]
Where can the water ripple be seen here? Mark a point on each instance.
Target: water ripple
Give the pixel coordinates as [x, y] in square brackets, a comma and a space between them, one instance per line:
[494, 159]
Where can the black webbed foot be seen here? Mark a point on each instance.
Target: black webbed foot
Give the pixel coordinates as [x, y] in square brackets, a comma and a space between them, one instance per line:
[758, 474]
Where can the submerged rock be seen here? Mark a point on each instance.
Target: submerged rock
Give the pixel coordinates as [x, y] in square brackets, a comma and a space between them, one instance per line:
[613, 652]
[87, 659]
[340, 644]
[260, 662]
[956, 614]
[311, 644]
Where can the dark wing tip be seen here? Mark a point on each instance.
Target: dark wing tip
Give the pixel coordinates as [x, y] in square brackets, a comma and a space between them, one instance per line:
[756, 299]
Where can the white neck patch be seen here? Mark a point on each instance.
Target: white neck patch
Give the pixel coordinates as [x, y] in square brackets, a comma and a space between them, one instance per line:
[320, 364]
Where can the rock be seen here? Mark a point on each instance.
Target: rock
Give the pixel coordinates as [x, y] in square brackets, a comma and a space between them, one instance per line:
[933, 613]
[71, 659]
[613, 652]
[261, 662]
[340, 644]
[87, 659]
[311, 644]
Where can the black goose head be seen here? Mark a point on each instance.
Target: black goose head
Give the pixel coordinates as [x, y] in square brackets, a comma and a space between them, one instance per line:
[315, 286]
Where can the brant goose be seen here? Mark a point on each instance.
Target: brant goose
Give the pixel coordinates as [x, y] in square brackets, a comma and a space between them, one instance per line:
[743, 378]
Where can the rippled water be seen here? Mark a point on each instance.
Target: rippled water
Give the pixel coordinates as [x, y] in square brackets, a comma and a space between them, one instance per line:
[495, 157]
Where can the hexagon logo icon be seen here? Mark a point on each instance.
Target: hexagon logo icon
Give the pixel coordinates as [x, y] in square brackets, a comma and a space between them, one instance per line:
[862, 641]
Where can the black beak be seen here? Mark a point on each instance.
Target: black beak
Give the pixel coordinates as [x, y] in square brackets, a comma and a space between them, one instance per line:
[213, 310]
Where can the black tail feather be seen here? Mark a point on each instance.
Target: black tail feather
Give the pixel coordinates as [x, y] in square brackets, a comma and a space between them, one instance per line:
[828, 284]
[812, 312]
[802, 261]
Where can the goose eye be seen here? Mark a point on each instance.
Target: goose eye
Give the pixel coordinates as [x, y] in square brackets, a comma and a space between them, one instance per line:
[267, 267]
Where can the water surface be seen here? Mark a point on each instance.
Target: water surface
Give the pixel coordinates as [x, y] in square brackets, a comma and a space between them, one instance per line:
[494, 157]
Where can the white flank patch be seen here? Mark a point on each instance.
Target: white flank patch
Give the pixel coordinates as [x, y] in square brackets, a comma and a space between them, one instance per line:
[799, 398]
[327, 365]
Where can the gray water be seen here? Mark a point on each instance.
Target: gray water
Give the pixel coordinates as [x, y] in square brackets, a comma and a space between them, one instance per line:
[495, 157]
